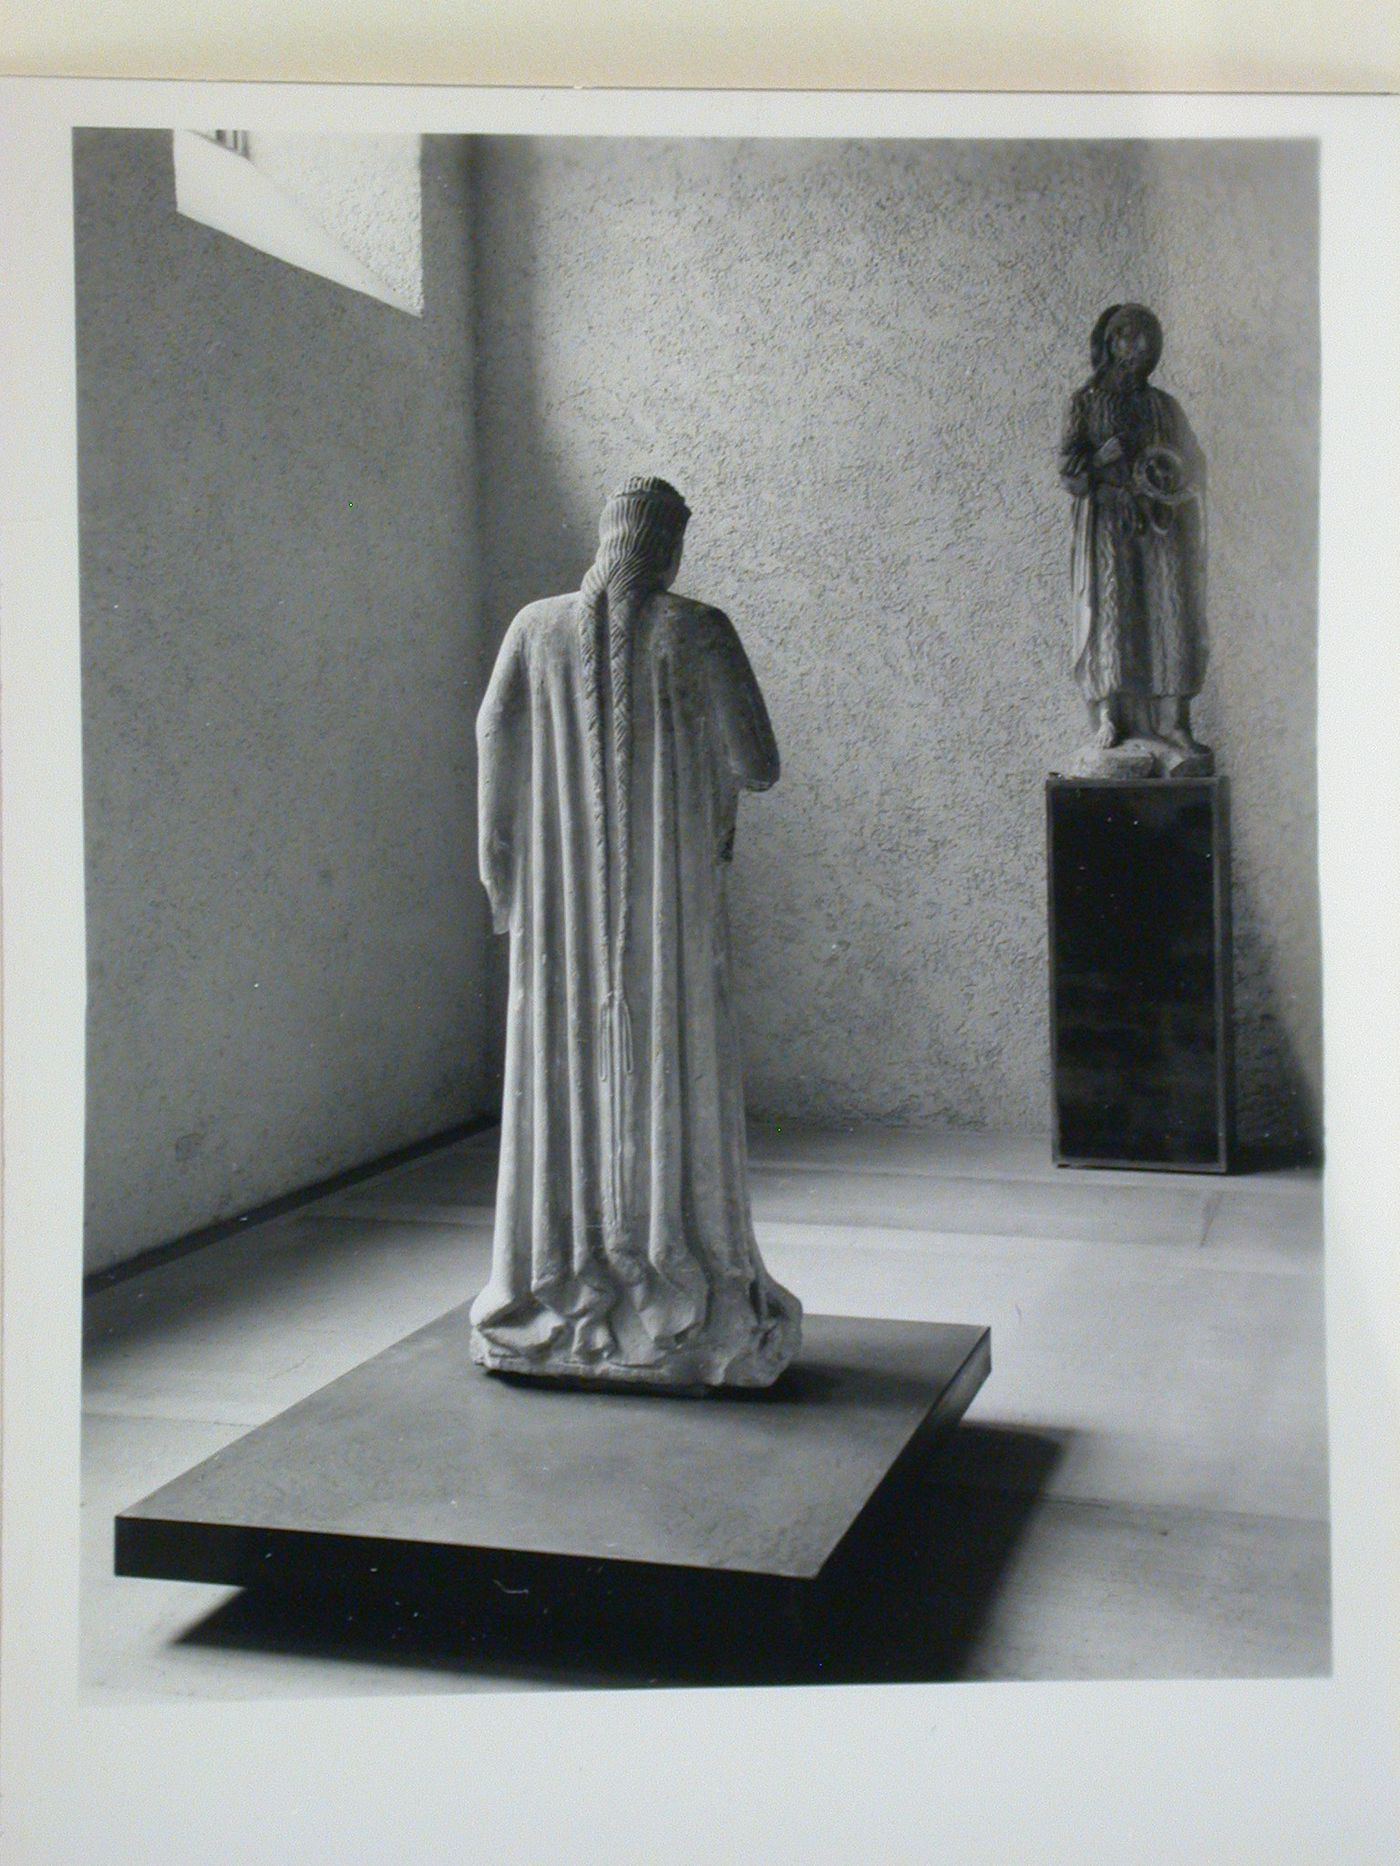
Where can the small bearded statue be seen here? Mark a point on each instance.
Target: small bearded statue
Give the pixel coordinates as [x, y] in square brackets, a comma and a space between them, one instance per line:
[1138, 479]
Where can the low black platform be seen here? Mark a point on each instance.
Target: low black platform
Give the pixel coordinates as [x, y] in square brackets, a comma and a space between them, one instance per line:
[419, 1478]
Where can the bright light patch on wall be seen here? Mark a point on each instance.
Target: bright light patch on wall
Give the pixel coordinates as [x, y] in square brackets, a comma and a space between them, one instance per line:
[348, 208]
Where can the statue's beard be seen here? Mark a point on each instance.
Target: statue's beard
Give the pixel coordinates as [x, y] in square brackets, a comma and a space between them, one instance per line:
[1123, 375]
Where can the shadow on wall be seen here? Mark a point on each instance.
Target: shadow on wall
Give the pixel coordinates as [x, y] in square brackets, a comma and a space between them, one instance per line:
[280, 616]
[527, 514]
[1253, 365]
[1278, 1085]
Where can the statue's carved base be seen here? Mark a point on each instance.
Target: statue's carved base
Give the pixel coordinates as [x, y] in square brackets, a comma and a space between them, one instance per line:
[749, 1334]
[1142, 756]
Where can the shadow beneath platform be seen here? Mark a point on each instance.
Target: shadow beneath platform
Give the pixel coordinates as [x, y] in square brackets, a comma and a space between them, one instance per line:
[904, 1599]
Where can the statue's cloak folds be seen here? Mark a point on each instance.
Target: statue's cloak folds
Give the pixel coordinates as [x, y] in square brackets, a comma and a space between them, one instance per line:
[1138, 563]
[623, 1235]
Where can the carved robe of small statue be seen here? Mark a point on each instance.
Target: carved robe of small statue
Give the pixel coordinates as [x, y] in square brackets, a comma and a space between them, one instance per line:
[1138, 562]
[619, 728]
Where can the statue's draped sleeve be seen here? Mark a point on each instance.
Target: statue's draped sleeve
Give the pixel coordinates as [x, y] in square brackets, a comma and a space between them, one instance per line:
[502, 733]
[1183, 439]
[1076, 448]
[736, 706]
[1077, 476]
[1192, 541]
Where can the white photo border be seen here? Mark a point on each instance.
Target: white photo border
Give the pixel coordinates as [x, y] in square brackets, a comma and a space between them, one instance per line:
[1262, 1771]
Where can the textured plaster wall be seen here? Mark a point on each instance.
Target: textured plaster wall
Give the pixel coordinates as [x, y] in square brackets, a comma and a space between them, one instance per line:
[364, 190]
[281, 662]
[853, 360]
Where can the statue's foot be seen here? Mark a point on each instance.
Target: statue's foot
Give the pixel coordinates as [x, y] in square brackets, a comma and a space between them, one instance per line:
[1176, 762]
[1181, 738]
[1107, 735]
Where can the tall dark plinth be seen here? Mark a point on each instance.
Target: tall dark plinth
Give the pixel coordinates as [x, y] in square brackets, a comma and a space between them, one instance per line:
[1140, 965]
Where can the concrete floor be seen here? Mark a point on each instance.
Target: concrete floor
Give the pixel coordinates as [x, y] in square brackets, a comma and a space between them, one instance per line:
[1139, 1491]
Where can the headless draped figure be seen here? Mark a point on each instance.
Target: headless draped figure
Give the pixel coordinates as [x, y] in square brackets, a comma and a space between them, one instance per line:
[1138, 563]
[618, 730]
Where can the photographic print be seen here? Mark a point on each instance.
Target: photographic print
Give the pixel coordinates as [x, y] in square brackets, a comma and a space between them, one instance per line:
[891, 400]
[702, 833]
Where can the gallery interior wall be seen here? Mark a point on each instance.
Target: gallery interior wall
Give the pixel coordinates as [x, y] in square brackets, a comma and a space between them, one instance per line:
[853, 360]
[306, 519]
[281, 660]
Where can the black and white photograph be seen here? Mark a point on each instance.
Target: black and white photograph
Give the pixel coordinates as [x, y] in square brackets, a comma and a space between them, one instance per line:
[701, 817]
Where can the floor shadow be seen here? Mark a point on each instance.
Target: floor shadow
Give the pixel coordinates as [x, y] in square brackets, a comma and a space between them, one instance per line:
[903, 1600]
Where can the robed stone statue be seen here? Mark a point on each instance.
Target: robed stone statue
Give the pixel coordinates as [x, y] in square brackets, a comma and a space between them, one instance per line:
[619, 728]
[1138, 561]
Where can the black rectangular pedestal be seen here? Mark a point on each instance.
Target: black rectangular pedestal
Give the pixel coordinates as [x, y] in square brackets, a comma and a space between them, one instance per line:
[1140, 962]
[419, 1475]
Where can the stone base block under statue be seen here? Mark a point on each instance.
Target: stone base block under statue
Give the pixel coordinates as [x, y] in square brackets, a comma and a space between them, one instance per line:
[412, 1479]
